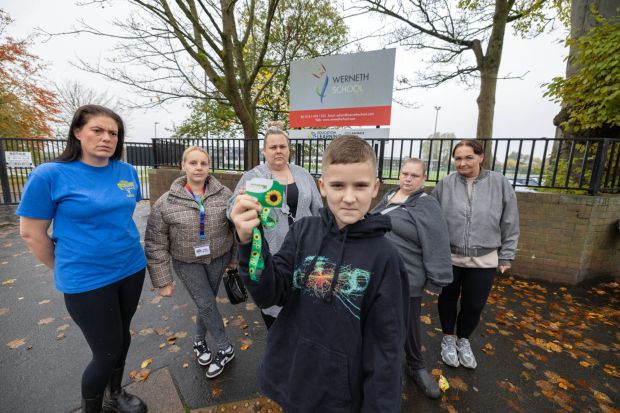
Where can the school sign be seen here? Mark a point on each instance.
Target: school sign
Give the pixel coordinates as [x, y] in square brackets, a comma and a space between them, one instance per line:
[345, 90]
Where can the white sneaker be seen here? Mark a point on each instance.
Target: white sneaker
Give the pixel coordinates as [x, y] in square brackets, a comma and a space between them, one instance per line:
[221, 359]
[466, 356]
[202, 352]
[448, 351]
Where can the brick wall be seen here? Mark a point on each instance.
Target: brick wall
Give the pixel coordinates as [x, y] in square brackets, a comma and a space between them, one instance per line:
[564, 238]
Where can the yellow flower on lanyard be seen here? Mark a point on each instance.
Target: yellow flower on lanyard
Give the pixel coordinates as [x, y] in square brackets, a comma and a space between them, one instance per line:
[273, 198]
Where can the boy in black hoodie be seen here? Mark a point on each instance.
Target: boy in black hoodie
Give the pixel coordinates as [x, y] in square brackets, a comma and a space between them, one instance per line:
[336, 346]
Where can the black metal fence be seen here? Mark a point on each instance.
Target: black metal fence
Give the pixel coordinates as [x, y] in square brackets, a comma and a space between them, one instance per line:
[583, 166]
[13, 176]
[589, 165]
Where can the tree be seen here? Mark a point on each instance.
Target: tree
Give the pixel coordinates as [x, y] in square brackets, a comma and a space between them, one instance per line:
[450, 29]
[303, 30]
[26, 108]
[590, 92]
[200, 49]
[70, 95]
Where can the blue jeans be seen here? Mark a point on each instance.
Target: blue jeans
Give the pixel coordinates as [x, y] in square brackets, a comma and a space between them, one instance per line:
[202, 282]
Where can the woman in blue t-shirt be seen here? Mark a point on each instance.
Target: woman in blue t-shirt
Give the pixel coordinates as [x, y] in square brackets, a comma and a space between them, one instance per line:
[90, 195]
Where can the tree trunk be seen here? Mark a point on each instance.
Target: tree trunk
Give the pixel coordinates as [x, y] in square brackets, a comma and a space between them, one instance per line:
[486, 111]
[488, 65]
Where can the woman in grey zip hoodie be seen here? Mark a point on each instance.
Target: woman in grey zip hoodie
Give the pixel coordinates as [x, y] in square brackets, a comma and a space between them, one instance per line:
[421, 236]
[480, 208]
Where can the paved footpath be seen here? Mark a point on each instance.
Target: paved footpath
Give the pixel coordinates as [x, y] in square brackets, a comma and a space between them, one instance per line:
[540, 348]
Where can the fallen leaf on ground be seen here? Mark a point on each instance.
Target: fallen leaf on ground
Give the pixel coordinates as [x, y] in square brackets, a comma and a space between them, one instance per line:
[443, 384]
[162, 345]
[46, 320]
[221, 300]
[584, 364]
[174, 348]
[181, 334]
[426, 319]
[156, 300]
[146, 363]
[44, 302]
[612, 371]
[62, 327]
[245, 343]
[216, 392]
[436, 373]
[516, 406]
[529, 366]
[10, 281]
[608, 409]
[60, 336]
[508, 386]
[601, 397]
[139, 376]
[458, 383]
[164, 318]
[161, 331]
[146, 331]
[172, 339]
[16, 343]
[4, 311]
[250, 306]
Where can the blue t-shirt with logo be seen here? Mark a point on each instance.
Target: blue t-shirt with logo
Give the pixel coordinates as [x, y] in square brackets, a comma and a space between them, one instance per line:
[96, 240]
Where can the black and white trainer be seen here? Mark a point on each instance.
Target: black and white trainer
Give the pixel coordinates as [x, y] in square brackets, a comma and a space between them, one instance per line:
[203, 353]
[221, 359]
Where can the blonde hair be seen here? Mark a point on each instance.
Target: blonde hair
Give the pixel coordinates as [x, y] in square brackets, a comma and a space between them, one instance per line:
[192, 149]
[275, 127]
[415, 161]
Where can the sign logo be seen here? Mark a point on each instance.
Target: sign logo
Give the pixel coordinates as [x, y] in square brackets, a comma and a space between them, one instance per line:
[321, 91]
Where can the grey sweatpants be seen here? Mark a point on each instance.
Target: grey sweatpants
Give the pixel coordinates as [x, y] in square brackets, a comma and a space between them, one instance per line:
[202, 282]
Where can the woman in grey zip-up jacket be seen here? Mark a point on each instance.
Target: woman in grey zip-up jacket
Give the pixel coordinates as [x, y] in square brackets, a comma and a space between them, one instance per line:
[480, 208]
[302, 197]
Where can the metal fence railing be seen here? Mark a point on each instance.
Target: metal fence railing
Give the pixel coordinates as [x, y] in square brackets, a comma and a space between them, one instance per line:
[13, 179]
[585, 165]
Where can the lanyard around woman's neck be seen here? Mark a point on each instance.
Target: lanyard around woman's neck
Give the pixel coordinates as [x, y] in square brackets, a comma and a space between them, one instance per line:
[200, 202]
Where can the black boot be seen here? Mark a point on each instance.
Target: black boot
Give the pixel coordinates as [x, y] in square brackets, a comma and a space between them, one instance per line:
[92, 405]
[117, 400]
[425, 382]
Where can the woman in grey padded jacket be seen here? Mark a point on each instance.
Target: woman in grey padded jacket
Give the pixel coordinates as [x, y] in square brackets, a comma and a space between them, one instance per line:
[480, 208]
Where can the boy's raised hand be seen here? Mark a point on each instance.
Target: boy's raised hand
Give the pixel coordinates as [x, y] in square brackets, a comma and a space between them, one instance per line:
[244, 215]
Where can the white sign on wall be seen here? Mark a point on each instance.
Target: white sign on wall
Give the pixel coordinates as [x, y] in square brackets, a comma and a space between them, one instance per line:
[366, 133]
[18, 159]
[345, 90]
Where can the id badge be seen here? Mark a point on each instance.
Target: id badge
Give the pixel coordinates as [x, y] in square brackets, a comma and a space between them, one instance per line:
[202, 250]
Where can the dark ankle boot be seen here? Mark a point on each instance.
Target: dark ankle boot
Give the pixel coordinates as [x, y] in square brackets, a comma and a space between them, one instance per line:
[425, 382]
[92, 405]
[117, 400]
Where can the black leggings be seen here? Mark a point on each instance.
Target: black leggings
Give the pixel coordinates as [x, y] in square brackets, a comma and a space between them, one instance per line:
[473, 286]
[104, 316]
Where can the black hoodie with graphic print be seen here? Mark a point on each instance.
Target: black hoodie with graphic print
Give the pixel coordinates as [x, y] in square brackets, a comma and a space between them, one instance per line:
[337, 344]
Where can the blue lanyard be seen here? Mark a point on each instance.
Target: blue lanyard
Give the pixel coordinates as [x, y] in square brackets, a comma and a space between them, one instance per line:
[200, 202]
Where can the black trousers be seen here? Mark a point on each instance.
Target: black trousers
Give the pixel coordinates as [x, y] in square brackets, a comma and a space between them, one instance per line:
[472, 286]
[413, 344]
[104, 316]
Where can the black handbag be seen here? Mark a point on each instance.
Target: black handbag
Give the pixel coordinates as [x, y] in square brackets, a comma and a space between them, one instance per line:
[234, 287]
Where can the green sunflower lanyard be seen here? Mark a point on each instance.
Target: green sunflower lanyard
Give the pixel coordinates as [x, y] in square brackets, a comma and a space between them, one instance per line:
[269, 198]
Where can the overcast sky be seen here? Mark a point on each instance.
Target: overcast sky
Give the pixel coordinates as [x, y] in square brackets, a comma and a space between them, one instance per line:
[521, 111]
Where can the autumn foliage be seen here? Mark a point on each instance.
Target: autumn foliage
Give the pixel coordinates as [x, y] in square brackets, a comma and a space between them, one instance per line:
[26, 108]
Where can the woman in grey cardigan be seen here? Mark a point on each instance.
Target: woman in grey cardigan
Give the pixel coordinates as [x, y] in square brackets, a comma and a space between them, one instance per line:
[302, 197]
[421, 235]
[480, 208]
